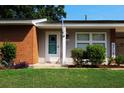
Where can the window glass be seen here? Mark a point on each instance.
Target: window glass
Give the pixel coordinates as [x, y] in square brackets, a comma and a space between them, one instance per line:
[98, 37]
[82, 45]
[102, 44]
[83, 37]
[52, 44]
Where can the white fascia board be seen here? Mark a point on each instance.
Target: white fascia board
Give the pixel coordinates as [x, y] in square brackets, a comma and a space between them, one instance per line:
[96, 25]
[84, 25]
[21, 22]
[15, 22]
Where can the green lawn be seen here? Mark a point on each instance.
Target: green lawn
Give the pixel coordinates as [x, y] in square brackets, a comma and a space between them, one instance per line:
[61, 78]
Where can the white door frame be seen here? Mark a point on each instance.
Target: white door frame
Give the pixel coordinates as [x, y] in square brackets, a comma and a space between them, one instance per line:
[52, 58]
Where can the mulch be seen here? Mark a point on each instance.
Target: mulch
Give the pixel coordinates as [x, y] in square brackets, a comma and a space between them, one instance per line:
[95, 66]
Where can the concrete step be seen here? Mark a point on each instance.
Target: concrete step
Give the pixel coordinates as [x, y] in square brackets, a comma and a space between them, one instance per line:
[46, 65]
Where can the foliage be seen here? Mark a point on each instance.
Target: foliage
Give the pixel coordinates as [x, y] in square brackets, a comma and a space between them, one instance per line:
[111, 60]
[21, 65]
[50, 12]
[119, 59]
[4, 63]
[77, 54]
[96, 54]
[9, 53]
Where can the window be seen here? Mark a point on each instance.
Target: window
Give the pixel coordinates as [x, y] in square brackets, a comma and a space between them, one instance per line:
[82, 45]
[83, 39]
[98, 37]
[102, 44]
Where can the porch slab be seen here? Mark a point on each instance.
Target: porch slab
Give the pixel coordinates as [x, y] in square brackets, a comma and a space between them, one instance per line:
[117, 68]
[46, 65]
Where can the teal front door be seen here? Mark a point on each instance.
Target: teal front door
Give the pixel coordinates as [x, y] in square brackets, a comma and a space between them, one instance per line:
[52, 44]
[52, 47]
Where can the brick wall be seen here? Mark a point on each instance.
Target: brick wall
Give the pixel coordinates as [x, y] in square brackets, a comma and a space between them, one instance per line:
[25, 38]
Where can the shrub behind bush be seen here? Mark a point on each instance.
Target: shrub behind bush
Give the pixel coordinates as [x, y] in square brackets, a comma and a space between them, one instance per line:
[96, 54]
[119, 59]
[77, 54]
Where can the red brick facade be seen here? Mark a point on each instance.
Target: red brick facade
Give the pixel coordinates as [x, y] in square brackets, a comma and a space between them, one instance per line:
[25, 38]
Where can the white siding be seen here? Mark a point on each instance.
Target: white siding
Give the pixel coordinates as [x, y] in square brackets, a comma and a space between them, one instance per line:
[70, 42]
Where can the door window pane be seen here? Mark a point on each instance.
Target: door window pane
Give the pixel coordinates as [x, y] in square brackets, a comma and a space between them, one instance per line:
[98, 37]
[52, 44]
[82, 45]
[102, 44]
[83, 37]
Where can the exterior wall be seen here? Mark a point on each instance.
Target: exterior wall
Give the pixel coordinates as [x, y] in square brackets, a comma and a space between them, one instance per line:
[41, 46]
[30, 47]
[35, 45]
[25, 39]
[119, 43]
[71, 41]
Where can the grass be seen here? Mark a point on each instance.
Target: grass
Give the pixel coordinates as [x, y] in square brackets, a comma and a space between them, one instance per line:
[31, 78]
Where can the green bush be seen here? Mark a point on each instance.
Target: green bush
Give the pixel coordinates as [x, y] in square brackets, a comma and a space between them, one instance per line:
[119, 59]
[9, 53]
[96, 54]
[77, 54]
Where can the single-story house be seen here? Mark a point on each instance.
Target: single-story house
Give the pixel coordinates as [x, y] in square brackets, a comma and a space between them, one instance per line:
[39, 41]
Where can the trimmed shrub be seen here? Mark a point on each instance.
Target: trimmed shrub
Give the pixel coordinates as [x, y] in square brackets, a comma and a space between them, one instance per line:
[96, 54]
[119, 59]
[9, 53]
[77, 54]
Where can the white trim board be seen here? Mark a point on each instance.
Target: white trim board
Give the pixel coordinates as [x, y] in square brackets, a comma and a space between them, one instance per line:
[83, 25]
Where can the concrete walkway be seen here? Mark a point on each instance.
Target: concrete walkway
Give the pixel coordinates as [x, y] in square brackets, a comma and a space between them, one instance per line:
[59, 66]
[117, 68]
[47, 65]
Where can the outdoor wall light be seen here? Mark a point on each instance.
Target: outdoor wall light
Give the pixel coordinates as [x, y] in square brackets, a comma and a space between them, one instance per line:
[67, 36]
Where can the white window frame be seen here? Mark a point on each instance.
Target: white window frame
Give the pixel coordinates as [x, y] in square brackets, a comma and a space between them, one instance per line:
[105, 41]
[90, 39]
[76, 41]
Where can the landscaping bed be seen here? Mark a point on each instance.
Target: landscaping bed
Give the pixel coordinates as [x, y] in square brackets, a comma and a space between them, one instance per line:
[95, 66]
[94, 56]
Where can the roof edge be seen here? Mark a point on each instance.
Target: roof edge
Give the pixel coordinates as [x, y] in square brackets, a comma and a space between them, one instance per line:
[21, 22]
